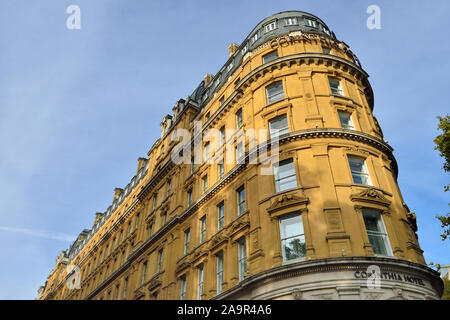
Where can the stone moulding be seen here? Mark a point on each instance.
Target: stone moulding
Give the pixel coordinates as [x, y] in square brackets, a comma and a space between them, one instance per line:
[371, 195]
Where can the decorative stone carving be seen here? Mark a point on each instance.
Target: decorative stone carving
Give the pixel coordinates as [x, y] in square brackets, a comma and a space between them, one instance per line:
[286, 201]
[371, 195]
[296, 294]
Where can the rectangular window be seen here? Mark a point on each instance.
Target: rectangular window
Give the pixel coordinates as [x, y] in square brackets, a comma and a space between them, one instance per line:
[220, 169]
[346, 120]
[219, 272]
[160, 260]
[278, 126]
[239, 119]
[200, 282]
[326, 50]
[222, 135]
[254, 38]
[242, 258]
[150, 230]
[204, 183]
[169, 185]
[291, 21]
[274, 92]
[183, 288]
[244, 49]
[192, 165]
[292, 237]
[164, 216]
[230, 66]
[377, 232]
[359, 170]
[189, 197]
[222, 100]
[335, 86]
[239, 152]
[187, 238]
[144, 273]
[220, 215]
[125, 285]
[324, 29]
[202, 229]
[207, 116]
[271, 26]
[310, 23]
[137, 221]
[270, 56]
[241, 200]
[206, 152]
[154, 201]
[285, 177]
[116, 297]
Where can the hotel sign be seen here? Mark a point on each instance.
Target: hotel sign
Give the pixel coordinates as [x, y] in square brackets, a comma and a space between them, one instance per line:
[401, 277]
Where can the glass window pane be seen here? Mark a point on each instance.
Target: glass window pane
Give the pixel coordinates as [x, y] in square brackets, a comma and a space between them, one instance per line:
[294, 248]
[291, 226]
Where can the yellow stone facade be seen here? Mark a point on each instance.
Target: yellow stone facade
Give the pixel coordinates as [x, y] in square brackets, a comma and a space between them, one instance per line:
[138, 250]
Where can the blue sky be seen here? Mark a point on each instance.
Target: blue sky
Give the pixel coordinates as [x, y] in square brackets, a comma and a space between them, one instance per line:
[78, 107]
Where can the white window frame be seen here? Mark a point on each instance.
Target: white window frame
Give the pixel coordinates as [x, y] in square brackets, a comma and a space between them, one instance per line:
[279, 186]
[351, 125]
[220, 216]
[242, 258]
[278, 132]
[200, 282]
[284, 238]
[364, 174]
[240, 202]
[203, 229]
[310, 23]
[219, 282]
[381, 233]
[291, 21]
[270, 26]
[336, 91]
[183, 287]
[275, 96]
[187, 239]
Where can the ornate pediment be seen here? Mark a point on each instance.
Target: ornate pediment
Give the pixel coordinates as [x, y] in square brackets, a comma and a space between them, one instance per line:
[181, 266]
[138, 294]
[371, 195]
[220, 238]
[154, 283]
[287, 201]
[239, 224]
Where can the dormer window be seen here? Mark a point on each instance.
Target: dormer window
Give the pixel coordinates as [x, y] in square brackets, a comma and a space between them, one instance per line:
[244, 49]
[271, 26]
[254, 38]
[230, 66]
[310, 23]
[291, 21]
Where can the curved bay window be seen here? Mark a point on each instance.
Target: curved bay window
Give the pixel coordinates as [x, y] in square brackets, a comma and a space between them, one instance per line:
[292, 237]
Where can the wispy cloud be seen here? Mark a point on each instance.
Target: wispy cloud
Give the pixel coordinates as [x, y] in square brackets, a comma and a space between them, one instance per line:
[39, 234]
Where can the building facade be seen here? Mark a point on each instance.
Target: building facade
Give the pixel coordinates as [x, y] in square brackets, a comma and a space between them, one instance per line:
[328, 223]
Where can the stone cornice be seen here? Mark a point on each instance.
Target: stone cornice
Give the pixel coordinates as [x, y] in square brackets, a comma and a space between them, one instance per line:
[334, 265]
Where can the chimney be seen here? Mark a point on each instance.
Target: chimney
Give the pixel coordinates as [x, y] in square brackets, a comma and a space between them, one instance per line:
[117, 192]
[232, 48]
[208, 79]
[98, 216]
[141, 163]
